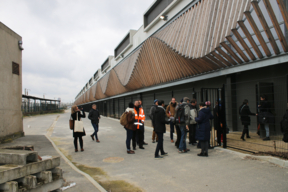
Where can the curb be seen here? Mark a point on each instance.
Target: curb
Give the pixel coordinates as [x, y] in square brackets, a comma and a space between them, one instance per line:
[95, 183]
[273, 160]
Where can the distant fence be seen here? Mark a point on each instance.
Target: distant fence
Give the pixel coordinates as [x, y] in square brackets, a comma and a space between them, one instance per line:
[31, 104]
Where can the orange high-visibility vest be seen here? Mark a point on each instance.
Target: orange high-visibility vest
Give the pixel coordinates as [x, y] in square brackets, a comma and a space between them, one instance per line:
[139, 120]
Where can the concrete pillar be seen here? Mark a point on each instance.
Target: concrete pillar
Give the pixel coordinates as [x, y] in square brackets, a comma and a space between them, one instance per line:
[57, 173]
[29, 182]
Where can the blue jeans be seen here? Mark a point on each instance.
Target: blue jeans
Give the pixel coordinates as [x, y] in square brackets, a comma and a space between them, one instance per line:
[182, 144]
[267, 129]
[159, 144]
[95, 126]
[171, 130]
[128, 138]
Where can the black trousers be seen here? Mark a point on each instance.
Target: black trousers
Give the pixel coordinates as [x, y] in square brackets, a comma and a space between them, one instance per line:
[219, 133]
[159, 146]
[138, 136]
[192, 133]
[245, 131]
[178, 131]
[80, 141]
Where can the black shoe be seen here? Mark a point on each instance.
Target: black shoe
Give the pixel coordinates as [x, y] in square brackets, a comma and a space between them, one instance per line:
[201, 154]
[145, 143]
[198, 147]
[153, 141]
[205, 154]
[190, 143]
[92, 136]
[242, 138]
[134, 148]
[248, 137]
[266, 139]
[158, 157]
[141, 148]
[210, 147]
[164, 154]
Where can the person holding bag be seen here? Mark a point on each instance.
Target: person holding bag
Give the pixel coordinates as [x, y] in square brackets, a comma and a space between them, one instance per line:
[78, 133]
[245, 113]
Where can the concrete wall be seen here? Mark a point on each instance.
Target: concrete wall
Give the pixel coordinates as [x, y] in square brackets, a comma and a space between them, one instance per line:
[10, 84]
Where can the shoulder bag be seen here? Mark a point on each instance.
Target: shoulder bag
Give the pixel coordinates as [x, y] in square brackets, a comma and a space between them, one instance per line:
[71, 123]
[78, 125]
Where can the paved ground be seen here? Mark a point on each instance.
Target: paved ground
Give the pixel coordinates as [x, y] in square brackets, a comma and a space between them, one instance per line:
[35, 129]
[221, 171]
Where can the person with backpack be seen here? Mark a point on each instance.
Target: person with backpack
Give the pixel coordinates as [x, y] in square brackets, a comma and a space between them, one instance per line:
[193, 123]
[245, 113]
[94, 116]
[170, 112]
[181, 118]
[160, 120]
[152, 110]
[284, 126]
[203, 129]
[128, 118]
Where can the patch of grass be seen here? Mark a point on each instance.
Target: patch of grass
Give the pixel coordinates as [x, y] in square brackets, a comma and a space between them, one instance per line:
[69, 157]
[103, 179]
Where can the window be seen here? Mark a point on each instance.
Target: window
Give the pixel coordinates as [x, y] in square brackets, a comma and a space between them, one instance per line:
[155, 10]
[105, 65]
[122, 45]
[15, 68]
[96, 75]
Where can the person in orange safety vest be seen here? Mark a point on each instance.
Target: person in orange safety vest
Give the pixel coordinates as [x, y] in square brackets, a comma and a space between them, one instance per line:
[139, 124]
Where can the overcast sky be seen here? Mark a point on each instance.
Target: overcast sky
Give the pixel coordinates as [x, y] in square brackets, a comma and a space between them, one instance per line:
[66, 41]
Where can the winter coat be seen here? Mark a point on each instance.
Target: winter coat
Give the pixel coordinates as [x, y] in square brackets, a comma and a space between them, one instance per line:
[94, 116]
[172, 109]
[130, 119]
[160, 120]
[265, 113]
[186, 114]
[74, 115]
[192, 121]
[244, 112]
[203, 129]
[216, 112]
[152, 111]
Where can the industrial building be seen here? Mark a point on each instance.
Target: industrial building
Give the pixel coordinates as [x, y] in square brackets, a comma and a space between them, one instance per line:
[196, 48]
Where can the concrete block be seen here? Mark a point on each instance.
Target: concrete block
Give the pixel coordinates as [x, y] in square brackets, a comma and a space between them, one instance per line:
[17, 157]
[57, 173]
[44, 176]
[17, 172]
[49, 186]
[28, 182]
[11, 186]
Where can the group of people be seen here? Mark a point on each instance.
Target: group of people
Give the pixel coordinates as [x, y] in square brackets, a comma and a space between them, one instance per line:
[185, 116]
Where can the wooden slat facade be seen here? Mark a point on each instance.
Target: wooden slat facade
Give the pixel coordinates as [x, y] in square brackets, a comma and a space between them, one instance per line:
[208, 36]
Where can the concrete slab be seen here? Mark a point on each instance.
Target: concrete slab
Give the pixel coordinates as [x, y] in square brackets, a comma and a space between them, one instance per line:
[17, 157]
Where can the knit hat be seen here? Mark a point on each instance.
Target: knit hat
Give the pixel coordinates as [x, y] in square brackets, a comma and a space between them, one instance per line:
[186, 99]
[131, 105]
[208, 103]
[156, 100]
[181, 101]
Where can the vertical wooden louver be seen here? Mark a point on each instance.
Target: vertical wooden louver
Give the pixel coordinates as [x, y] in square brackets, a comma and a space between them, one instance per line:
[210, 35]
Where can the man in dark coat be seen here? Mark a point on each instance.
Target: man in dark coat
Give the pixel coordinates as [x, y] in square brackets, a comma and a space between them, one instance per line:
[245, 113]
[94, 116]
[216, 113]
[159, 121]
[265, 112]
[203, 130]
[152, 111]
